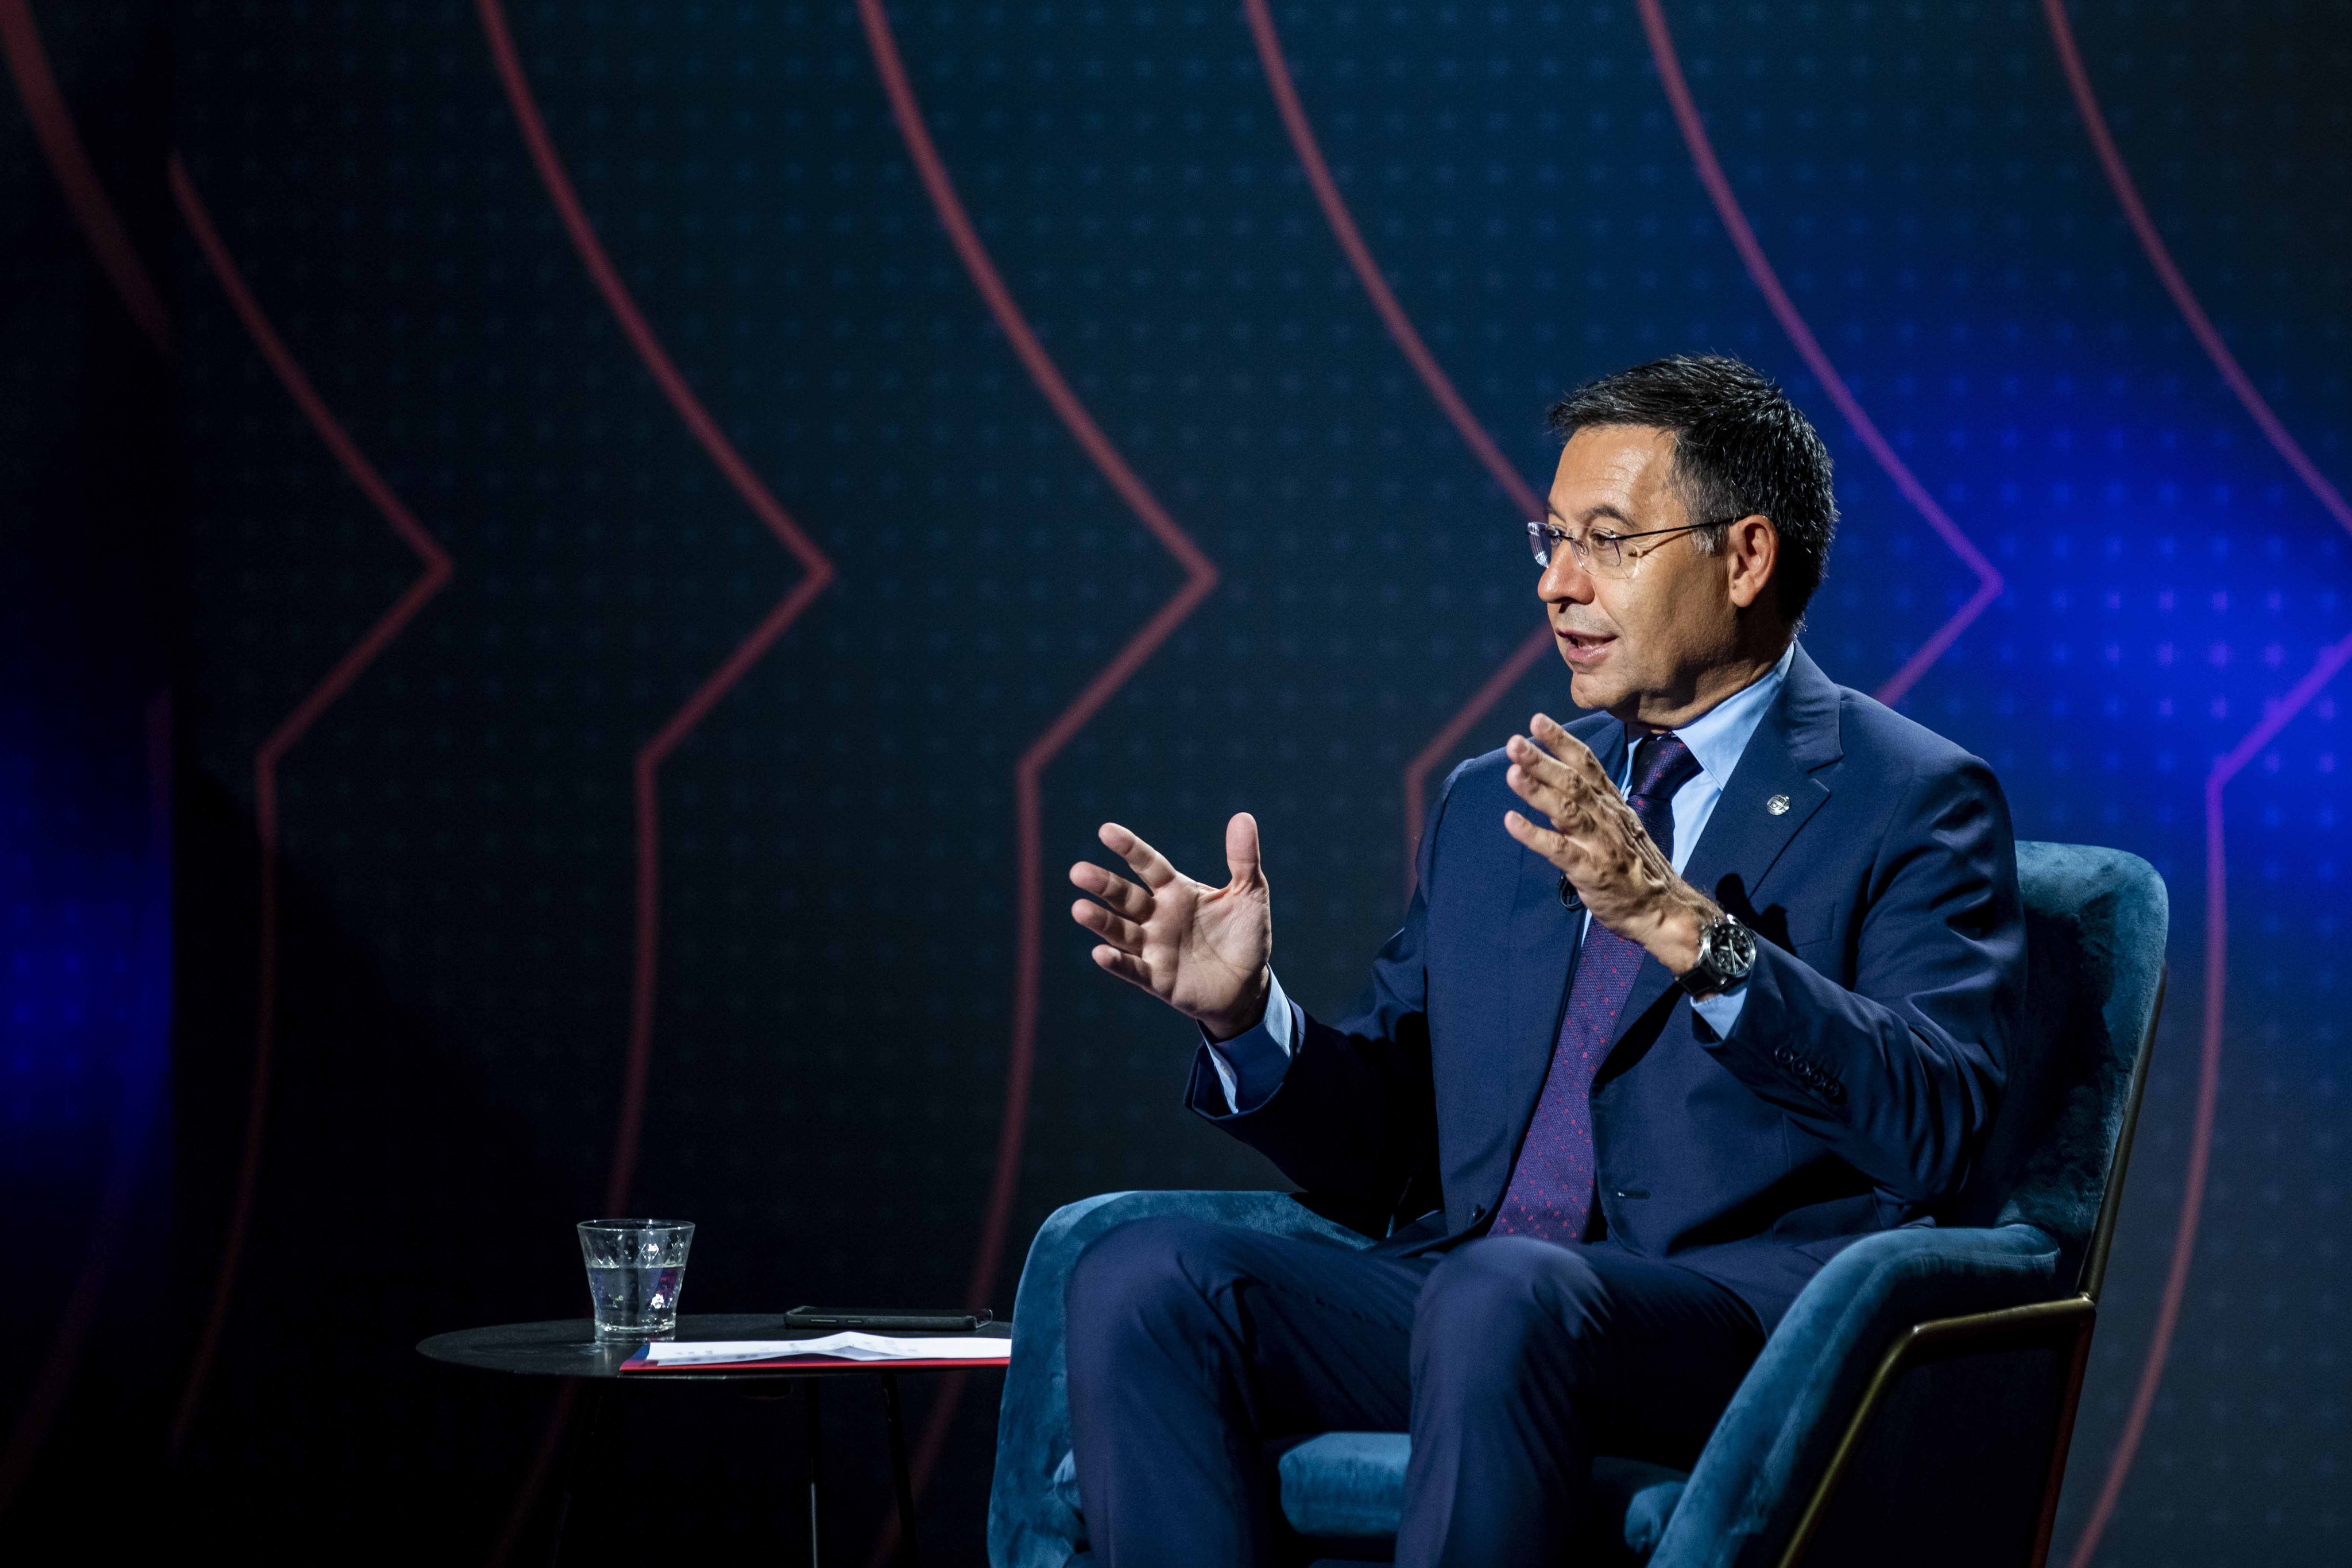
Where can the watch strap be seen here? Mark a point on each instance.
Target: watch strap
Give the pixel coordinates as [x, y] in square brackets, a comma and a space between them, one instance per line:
[1709, 976]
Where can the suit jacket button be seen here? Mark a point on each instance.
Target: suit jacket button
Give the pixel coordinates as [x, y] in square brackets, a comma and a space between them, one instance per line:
[1477, 1212]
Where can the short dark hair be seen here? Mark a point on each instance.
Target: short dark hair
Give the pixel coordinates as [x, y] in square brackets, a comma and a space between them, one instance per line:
[1741, 449]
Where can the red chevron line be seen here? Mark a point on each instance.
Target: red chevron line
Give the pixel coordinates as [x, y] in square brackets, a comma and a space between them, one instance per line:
[53, 127]
[817, 571]
[1367, 270]
[281, 740]
[1199, 579]
[2201, 325]
[1809, 347]
[2275, 717]
[1439, 747]
[1433, 376]
[1424, 364]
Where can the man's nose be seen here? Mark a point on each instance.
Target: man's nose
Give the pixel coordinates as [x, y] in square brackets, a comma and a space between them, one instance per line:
[1563, 581]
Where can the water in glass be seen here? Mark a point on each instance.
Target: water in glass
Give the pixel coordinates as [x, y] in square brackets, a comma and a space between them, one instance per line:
[637, 1269]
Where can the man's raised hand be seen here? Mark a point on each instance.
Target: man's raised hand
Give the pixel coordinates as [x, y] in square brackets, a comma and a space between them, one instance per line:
[1205, 951]
[1596, 839]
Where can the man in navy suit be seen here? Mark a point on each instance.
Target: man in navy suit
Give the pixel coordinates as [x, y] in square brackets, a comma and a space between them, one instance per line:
[1690, 994]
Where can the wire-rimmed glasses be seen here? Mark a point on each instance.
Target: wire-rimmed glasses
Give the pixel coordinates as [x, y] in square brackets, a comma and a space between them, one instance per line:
[1597, 549]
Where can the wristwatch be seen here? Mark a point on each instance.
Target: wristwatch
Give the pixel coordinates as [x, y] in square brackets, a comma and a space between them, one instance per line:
[1726, 951]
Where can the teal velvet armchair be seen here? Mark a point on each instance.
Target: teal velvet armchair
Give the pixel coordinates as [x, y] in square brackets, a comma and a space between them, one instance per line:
[1914, 1404]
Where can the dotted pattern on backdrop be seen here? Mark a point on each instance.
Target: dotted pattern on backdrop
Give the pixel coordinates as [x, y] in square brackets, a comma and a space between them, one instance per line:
[837, 847]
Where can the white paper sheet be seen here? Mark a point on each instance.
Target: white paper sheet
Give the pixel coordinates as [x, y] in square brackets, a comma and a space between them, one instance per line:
[842, 1347]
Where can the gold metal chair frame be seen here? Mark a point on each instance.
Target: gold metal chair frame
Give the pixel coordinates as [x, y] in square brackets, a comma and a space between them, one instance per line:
[2066, 1323]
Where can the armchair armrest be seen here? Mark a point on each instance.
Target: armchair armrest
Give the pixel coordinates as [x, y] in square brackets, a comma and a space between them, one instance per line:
[1759, 1470]
[1033, 1518]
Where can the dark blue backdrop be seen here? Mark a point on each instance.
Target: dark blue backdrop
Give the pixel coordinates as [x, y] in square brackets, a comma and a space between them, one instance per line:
[650, 552]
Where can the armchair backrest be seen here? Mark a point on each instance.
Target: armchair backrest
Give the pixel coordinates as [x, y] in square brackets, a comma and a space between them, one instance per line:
[2095, 924]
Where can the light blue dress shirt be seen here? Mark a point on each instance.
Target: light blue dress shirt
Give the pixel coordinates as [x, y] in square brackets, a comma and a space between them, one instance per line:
[1251, 1065]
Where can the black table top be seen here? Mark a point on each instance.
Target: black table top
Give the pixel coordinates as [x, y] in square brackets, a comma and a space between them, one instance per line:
[570, 1348]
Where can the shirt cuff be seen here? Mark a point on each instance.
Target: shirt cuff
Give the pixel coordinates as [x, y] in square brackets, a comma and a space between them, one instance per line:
[1721, 1010]
[1250, 1065]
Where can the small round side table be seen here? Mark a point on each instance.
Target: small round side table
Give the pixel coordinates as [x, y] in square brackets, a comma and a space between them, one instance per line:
[570, 1349]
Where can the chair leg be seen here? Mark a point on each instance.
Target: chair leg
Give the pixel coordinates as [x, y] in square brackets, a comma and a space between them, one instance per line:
[2071, 1403]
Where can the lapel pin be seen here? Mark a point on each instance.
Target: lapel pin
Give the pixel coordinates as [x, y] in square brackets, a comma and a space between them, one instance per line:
[1778, 805]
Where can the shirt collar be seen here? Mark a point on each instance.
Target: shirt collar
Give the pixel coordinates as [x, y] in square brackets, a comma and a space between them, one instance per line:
[1719, 737]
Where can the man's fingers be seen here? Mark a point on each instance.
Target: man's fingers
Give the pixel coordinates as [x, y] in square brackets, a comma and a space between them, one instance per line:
[1565, 776]
[1569, 852]
[1564, 809]
[1543, 840]
[1533, 763]
[1126, 965]
[1561, 849]
[1141, 858]
[1572, 753]
[1115, 891]
[1241, 853]
[1124, 935]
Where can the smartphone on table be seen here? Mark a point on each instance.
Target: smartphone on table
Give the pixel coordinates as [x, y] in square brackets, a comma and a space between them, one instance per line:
[888, 1320]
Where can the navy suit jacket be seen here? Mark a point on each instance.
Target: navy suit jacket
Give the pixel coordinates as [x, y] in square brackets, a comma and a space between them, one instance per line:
[1874, 861]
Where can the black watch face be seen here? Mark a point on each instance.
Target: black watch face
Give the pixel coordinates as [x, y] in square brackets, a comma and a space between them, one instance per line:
[1733, 953]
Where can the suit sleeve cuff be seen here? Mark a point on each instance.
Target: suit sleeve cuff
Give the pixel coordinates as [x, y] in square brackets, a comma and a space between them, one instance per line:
[1250, 1066]
[1721, 1010]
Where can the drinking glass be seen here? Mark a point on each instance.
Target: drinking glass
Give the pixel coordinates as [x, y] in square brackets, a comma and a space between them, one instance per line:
[635, 1269]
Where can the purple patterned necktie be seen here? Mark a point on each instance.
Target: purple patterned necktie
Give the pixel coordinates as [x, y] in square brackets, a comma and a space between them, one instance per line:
[1550, 1191]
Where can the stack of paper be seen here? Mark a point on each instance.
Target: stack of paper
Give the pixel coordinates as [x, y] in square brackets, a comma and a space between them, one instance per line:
[957, 1350]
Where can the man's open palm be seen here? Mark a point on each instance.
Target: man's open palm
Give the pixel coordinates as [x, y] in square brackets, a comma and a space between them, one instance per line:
[1205, 951]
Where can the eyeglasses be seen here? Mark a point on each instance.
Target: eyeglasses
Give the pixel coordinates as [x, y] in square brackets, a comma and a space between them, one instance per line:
[1598, 551]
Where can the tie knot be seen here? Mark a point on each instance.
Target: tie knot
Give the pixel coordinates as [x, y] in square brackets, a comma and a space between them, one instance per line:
[1662, 766]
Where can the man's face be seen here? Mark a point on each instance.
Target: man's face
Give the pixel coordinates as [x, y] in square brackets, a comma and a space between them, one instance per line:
[1641, 642]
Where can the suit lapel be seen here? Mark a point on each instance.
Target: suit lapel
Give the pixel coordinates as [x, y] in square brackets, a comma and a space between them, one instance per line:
[1545, 935]
[1744, 837]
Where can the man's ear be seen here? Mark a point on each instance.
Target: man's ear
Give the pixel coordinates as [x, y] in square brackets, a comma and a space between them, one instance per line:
[1752, 550]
